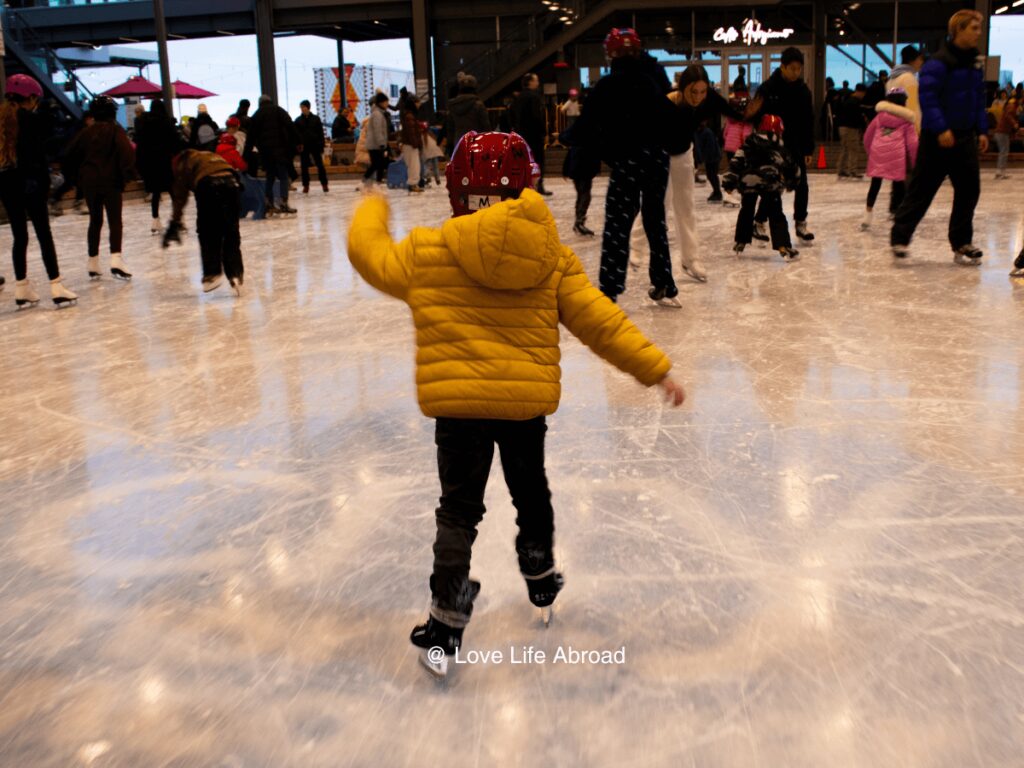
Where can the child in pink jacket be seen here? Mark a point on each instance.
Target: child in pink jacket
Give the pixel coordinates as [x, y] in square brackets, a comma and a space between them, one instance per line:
[736, 132]
[891, 144]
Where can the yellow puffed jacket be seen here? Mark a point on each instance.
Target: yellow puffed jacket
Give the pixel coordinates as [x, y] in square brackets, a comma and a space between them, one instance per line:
[487, 292]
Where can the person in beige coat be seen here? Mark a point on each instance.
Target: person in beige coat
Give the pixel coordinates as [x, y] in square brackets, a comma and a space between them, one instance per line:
[905, 76]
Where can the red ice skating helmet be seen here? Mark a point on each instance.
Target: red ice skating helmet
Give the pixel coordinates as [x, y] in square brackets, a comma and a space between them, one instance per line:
[24, 87]
[621, 42]
[771, 124]
[573, 92]
[486, 168]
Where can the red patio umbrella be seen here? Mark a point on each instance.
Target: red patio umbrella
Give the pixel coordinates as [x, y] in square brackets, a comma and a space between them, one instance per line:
[136, 85]
[183, 90]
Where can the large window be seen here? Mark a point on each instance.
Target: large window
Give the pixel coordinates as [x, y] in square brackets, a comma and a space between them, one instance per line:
[860, 64]
[1005, 35]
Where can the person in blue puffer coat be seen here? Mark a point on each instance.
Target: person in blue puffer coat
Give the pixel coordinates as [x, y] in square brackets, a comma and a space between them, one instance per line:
[953, 126]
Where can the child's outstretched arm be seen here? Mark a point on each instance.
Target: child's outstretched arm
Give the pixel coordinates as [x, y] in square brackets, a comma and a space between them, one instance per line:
[596, 321]
[383, 263]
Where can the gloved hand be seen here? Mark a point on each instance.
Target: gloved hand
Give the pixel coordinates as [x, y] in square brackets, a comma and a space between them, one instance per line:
[173, 233]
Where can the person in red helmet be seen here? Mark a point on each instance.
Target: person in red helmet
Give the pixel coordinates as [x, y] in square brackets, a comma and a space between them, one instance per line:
[24, 186]
[760, 170]
[488, 290]
[636, 149]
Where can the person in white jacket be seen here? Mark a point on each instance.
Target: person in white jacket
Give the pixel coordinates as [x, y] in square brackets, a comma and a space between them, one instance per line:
[905, 76]
[377, 130]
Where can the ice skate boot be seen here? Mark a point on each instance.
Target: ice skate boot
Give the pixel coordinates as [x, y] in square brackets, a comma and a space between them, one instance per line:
[438, 641]
[661, 297]
[236, 284]
[865, 224]
[967, 255]
[118, 268]
[543, 589]
[3, 282]
[581, 229]
[759, 232]
[730, 200]
[155, 228]
[1018, 266]
[94, 267]
[286, 210]
[789, 254]
[61, 296]
[305, 189]
[715, 197]
[900, 251]
[737, 248]
[413, 188]
[803, 233]
[693, 268]
[212, 283]
[24, 294]
[325, 188]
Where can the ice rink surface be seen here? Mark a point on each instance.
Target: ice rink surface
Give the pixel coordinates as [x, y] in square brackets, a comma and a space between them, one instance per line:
[217, 513]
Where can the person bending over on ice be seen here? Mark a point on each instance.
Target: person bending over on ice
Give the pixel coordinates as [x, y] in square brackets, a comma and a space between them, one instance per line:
[488, 290]
[216, 187]
[761, 170]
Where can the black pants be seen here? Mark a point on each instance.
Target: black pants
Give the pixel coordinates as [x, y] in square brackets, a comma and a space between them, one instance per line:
[899, 189]
[465, 448]
[934, 164]
[800, 199]
[711, 169]
[637, 184]
[154, 204]
[309, 157]
[378, 165]
[22, 206]
[217, 226]
[279, 170]
[771, 205]
[108, 200]
[583, 187]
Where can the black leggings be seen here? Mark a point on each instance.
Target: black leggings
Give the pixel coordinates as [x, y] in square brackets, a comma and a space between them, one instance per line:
[378, 165]
[899, 188]
[21, 207]
[154, 205]
[98, 202]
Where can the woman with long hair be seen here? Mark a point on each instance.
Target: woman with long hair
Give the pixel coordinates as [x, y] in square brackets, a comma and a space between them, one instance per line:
[25, 186]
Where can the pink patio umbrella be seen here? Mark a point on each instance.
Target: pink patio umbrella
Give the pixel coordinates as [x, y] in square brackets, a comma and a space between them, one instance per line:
[183, 90]
[136, 85]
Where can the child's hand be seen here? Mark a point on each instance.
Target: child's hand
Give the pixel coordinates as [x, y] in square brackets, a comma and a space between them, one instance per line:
[673, 390]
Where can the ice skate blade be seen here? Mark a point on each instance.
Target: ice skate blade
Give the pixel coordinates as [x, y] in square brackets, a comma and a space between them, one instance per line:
[95, 275]
[1018, 272]
[25, 303]
[120, 274]
[967, 261]
[546, 614]
[669, 303]
[437, 669]
[61, 303]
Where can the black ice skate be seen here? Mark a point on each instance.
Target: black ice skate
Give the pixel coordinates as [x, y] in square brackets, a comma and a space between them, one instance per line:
[967, 255]
[581, 229]
[285, 210]
[803, 233]
[661, 297]
[438, 641]
[543, 589]
[738, 248]
[1018, 265]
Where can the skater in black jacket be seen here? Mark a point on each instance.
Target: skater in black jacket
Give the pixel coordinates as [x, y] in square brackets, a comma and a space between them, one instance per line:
[761, 170]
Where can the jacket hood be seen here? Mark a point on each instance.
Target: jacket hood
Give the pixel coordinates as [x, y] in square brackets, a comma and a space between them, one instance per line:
[889, 108]
[953, 56]
[512, 246]
[463, 103]
[900, 69]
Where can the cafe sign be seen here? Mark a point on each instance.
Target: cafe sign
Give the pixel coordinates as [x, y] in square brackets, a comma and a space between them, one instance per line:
[752, 33]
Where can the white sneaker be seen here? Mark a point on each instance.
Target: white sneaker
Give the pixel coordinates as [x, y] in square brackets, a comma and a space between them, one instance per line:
[865, 225]
[25, 294]
[155, 228]
[61, 296]
[94, 267]
[118, 268]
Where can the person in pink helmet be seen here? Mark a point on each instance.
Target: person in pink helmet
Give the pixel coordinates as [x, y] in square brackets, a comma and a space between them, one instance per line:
[25, 186]
[571, 108]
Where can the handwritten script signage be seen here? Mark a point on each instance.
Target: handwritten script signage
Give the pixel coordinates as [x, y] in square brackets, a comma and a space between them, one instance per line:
[752, 33]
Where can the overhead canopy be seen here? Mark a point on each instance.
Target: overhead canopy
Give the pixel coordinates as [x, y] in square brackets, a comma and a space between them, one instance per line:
[133, 86]
[183, 90]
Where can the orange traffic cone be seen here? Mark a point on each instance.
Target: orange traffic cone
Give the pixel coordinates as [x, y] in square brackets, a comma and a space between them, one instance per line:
[821, 157]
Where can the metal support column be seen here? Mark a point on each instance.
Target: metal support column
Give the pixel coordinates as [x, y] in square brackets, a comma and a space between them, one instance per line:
[421, 50]
[264, 13]
[342, 80]
[819, 45]
[160, 26]
[984, 7]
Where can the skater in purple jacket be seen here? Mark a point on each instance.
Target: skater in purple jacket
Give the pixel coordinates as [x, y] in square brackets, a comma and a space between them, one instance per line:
[891, 144]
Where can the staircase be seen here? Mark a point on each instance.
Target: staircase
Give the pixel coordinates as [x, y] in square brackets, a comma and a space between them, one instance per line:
[25, 53]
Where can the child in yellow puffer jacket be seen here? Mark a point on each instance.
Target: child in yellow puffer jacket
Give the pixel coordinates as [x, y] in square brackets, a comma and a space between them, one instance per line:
[487, 293]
